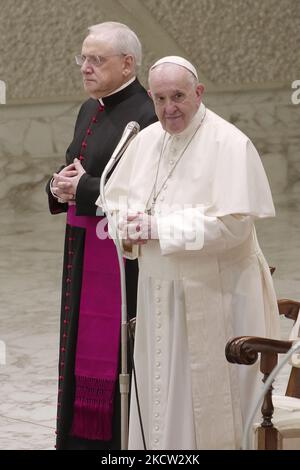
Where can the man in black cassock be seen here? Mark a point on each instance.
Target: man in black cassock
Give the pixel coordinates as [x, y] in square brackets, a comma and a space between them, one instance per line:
[88, 414]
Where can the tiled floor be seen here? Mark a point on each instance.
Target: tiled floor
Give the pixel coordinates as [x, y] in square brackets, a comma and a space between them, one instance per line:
[30, 269]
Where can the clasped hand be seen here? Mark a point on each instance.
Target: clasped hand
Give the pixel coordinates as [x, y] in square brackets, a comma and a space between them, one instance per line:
[137, 228]
[64, 183]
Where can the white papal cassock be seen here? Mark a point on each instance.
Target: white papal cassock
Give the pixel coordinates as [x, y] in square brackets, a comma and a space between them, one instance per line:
[193, 298]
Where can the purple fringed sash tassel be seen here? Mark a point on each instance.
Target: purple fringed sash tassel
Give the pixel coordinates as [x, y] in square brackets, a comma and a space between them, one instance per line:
[94, 408]
[97, 352]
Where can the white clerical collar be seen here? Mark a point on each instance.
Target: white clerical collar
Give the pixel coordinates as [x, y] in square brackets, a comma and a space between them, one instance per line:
[191, 128]
[118, 89]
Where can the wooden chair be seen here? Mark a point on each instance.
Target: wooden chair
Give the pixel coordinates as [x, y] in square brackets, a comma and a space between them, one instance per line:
[284, 421]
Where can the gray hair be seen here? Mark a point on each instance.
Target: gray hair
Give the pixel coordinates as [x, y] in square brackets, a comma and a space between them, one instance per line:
[123, 39]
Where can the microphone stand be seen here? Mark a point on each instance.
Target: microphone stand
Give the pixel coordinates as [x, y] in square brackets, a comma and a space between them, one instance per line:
[123, 376]
[246, 438]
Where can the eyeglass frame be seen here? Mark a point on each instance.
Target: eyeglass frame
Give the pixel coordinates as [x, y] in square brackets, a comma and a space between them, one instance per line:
[101, 59]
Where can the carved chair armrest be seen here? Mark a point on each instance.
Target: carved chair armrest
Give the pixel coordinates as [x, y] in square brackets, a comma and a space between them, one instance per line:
[245, 349]
[289, 308]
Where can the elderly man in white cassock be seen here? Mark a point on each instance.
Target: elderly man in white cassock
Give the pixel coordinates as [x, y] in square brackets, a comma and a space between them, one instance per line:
[187, 191]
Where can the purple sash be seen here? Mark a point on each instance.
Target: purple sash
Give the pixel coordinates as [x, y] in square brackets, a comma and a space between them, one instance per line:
[97, 353]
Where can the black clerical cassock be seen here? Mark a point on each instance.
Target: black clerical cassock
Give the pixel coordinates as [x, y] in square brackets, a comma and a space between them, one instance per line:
[81, 406]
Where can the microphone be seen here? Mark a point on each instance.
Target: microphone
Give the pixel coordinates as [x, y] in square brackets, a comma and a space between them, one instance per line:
[130, 131]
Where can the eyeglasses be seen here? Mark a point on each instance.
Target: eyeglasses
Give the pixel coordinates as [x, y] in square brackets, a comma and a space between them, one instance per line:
[94, 60]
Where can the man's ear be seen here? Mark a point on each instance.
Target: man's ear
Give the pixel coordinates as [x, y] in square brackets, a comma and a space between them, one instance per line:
[200, 90]
[128, 65]
[150, 94]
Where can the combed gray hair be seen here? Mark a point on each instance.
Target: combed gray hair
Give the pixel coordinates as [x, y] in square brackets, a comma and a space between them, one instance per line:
[122, 38]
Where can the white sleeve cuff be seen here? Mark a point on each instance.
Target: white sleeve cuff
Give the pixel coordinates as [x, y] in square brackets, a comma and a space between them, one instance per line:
[61, 201]
[134, 253]
[181, 230]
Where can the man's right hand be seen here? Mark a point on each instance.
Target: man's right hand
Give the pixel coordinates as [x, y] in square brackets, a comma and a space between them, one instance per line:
[64, 194]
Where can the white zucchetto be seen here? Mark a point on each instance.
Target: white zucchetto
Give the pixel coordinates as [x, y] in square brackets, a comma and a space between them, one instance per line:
[174, 59]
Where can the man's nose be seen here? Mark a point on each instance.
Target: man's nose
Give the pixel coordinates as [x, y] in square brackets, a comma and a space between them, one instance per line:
[86, 67]
[170, 107]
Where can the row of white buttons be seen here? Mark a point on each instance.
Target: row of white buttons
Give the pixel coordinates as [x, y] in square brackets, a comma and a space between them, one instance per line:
[162, 198]
[157, 387]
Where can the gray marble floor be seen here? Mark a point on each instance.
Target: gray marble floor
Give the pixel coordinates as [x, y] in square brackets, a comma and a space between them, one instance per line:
[30, 268]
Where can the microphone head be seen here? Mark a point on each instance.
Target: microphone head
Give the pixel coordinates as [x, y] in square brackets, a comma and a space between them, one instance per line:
[133, 127]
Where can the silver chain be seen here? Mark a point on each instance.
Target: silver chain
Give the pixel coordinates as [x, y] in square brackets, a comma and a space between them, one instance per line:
[154, 191]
